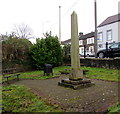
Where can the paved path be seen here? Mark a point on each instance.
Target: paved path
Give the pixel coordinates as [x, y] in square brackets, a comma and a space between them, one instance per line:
[92, 99]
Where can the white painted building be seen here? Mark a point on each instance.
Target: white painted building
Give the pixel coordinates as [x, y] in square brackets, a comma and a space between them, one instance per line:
[109, 30]
[86, 40]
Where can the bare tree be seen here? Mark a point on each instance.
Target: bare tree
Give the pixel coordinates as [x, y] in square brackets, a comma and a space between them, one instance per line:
[23, 31]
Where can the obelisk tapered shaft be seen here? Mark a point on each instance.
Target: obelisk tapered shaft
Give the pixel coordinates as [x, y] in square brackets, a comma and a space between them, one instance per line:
[75, 80]
[75, 59]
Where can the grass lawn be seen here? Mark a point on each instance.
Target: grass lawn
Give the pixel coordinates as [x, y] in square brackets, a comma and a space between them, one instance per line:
[20, 99]
[102, 73]
[93, 73]
[115, 108]
[39, 74]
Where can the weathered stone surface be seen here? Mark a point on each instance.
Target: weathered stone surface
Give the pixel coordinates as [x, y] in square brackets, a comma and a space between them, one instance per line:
[76, 84]
[109, 63]
[76, 72]
[75, 80]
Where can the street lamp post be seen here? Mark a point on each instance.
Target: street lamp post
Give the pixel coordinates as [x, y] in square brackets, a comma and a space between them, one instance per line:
[95, 41]
[60, 24]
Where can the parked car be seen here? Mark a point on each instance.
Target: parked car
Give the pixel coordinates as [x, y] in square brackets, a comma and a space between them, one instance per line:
[112, 51]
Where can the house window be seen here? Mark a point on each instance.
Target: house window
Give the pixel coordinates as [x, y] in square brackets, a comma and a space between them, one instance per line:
[87, 50]
[88, 41]
[92, 40]
[100, 37]
[91, 49]
[81, 50]
[109, 35]
[81, 42]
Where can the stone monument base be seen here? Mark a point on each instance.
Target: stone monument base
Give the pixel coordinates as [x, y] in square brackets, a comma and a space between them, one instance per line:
[76, 84]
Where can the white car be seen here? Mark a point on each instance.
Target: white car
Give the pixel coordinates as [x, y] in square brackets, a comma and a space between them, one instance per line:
[88, 54]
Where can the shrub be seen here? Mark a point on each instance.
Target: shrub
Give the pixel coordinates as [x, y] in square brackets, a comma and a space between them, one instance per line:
[66, 54]
[15, 51]
[46, 51]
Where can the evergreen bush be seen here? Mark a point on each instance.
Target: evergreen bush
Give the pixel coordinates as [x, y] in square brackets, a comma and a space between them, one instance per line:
[46, 51]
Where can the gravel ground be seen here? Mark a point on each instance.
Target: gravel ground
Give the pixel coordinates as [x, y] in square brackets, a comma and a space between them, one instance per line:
[92, 99]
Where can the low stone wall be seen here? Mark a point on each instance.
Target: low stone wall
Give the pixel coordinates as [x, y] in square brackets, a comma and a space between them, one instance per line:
[102, 63]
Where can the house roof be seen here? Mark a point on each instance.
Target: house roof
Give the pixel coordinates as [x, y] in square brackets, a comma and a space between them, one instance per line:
[89, 35]
[66, 42]
[83, 37]
[111, 19]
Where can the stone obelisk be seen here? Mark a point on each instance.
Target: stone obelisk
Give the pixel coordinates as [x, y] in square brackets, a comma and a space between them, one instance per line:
[75, 80]
[76, 73]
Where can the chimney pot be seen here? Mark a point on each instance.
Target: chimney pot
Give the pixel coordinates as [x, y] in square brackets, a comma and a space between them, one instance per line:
[80, 34]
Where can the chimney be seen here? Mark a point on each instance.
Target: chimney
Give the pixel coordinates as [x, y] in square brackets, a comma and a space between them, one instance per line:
[80, 34]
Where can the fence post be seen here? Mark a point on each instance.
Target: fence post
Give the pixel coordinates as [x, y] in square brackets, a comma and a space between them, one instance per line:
[106, 49]
[84, 51]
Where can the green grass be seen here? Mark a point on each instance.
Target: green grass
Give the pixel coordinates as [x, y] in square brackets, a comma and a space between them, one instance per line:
[102, 73]
[20, 99]
[39, 74]
[93, 73]
[115, 108]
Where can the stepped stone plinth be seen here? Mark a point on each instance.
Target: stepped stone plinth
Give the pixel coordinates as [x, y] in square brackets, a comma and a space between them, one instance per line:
[76, 84]
[76, 80]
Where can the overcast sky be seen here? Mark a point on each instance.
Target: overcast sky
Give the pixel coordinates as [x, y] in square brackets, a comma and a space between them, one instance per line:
[43, 15]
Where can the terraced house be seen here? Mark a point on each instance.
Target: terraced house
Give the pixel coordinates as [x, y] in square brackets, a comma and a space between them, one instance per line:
[87, 41]
[109, 31]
